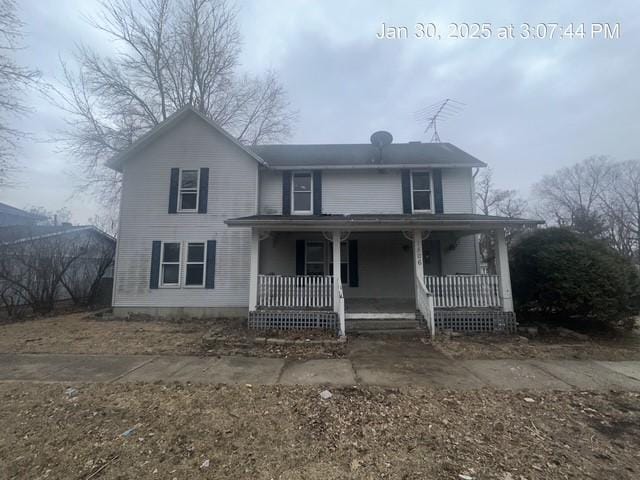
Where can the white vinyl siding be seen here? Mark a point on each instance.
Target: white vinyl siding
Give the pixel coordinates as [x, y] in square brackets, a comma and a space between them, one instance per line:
[270, 192]
[367, 191]
[457, 190]
[461, 260]
[144, 218]
[361, 191]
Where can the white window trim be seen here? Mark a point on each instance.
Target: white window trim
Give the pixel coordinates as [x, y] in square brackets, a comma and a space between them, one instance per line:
[188, 190]
[161, 283]
[293, 197]
[431, 200]
[187, 262]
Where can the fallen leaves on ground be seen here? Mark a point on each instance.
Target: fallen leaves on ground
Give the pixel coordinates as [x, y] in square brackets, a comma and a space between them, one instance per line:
[290, 432]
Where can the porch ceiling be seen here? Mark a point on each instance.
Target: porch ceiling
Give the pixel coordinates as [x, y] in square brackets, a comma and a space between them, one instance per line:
[389, 222]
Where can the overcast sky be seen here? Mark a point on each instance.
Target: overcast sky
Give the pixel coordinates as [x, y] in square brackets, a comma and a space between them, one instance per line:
[532, 105]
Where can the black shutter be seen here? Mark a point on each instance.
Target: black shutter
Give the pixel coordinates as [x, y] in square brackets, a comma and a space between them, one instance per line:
[300, 257]
[173, 190]
[317, 192]
[204, 190]
[210, 275]
[353, 263]
[286, 193]
[155, 264]
[406, 191]
[437, 190]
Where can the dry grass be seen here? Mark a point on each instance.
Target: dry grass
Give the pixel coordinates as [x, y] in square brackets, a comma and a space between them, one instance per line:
[83, 333]
[543, 347]
[290, 433]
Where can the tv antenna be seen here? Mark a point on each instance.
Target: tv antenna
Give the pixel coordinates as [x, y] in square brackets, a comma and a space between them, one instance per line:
[438, 113]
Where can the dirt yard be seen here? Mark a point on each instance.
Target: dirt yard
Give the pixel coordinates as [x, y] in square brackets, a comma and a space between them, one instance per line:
[83, 333]
[278, 432]
[545, 346]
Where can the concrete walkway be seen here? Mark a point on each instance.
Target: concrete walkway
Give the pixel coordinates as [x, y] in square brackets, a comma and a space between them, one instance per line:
[362, 367]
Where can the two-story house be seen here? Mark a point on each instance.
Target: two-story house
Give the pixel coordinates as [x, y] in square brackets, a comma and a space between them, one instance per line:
[305, 236]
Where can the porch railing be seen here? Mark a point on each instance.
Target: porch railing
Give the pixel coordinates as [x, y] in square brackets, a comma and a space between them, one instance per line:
[341, 325]
[308, 291]
[424, 301]
[464, 290]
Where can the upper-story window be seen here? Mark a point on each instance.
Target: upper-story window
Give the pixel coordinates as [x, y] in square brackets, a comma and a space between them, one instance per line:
[421, 192]
[189, 187]
[302, 193]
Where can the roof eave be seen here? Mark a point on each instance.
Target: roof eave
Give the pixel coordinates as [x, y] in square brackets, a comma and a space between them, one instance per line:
[320, 224]
[376, 166]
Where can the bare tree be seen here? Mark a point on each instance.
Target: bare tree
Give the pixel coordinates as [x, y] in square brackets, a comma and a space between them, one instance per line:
[494, 201]
[83, 279]
[598, 198]
[621, 204]
[32, 270]
[58, 217]
[170, 53]
[107, 222]
[573, 194]
[15, 80]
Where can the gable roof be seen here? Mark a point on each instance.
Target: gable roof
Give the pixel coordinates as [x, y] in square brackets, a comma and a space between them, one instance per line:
[118, 160]
[282, 156]
[22, 233]
[9, 210]
[412, 154]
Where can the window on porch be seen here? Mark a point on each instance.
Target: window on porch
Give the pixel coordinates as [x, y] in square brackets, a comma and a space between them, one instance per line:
[319, 259]
[315, 261]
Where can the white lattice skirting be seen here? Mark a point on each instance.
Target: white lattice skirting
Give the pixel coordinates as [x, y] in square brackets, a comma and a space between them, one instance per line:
[475, 321]
[293, 320]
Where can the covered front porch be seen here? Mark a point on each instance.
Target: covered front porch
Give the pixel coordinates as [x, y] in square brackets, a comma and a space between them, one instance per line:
[308, 273]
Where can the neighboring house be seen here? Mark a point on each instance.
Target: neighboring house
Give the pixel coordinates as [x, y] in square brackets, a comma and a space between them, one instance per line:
[295, 236]
[32, 255]
[14, 216]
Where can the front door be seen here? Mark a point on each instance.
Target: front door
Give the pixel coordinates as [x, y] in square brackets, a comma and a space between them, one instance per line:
[432, 256]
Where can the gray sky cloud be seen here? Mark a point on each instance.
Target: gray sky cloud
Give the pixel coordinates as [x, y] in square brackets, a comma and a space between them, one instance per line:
[532, 105]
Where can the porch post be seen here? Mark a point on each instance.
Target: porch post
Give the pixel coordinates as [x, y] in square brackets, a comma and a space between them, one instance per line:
[254, 253]
[335, 240]
[417, 260]
[502, 267]
[338, 303]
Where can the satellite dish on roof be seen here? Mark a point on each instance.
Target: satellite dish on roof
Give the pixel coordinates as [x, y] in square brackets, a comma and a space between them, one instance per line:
[381, 138]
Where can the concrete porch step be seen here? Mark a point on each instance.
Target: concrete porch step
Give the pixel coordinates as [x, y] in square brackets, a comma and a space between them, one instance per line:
[382, 325]
[379, 316]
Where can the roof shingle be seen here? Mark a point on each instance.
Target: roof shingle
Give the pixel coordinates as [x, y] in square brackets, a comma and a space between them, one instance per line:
[348, 155]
